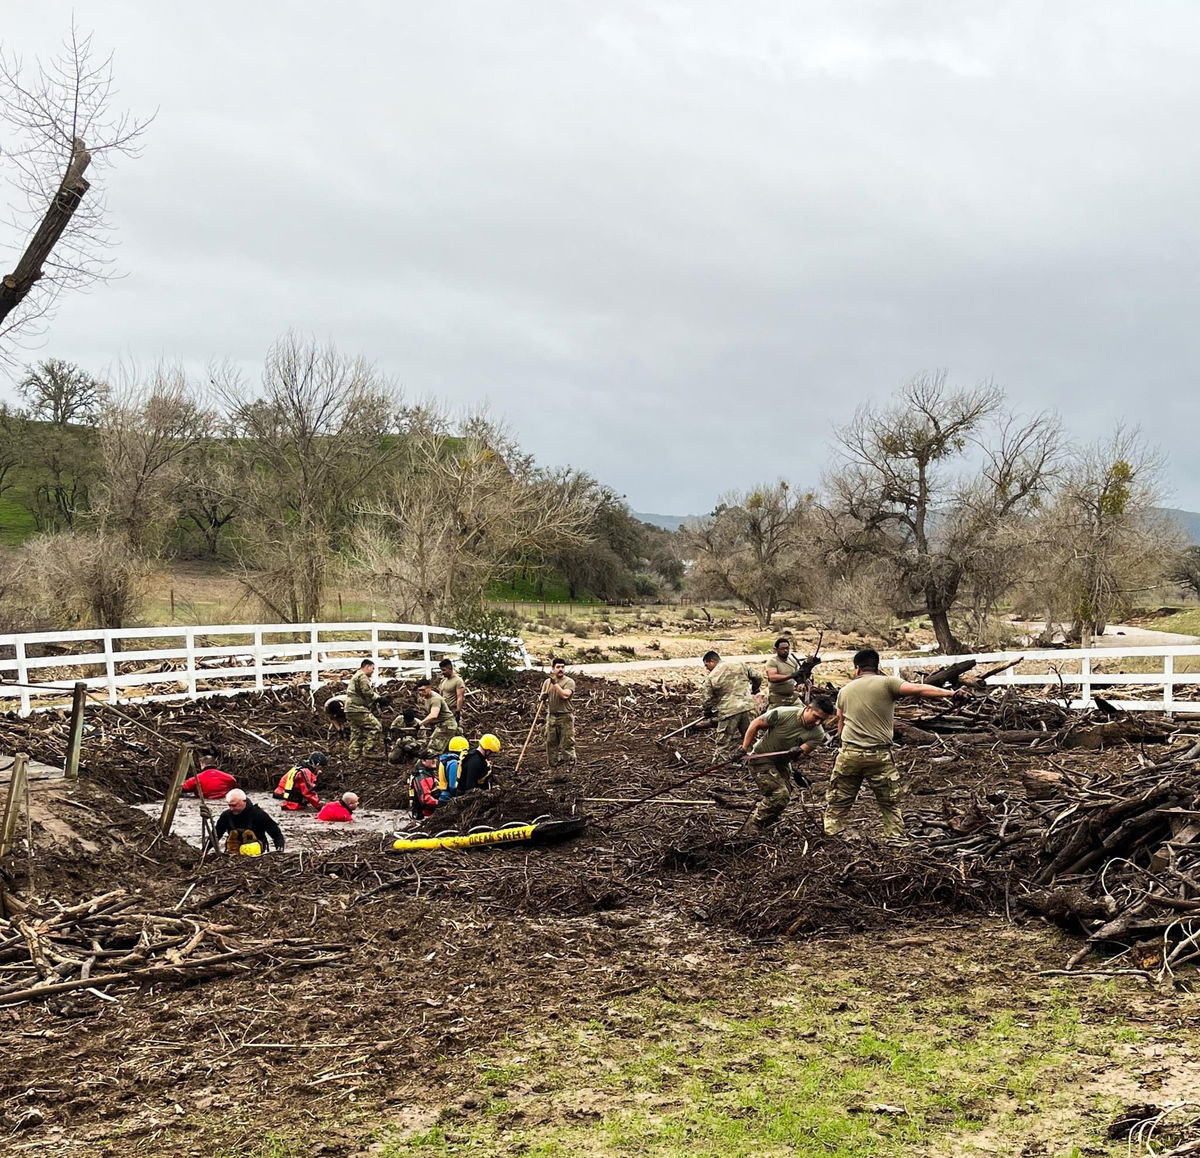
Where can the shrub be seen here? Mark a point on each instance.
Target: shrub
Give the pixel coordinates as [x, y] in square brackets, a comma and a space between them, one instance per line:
[488, 653]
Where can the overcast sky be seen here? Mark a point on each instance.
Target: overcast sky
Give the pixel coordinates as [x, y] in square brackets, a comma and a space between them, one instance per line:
[670, 242]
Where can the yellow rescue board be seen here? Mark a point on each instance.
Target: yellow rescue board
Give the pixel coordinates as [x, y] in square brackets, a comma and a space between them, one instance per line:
[472, 840]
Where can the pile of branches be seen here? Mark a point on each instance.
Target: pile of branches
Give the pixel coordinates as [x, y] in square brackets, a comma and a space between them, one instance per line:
[50, 949]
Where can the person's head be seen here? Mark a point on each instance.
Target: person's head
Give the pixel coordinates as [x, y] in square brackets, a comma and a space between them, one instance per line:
[558, 666]
[711, 659]
[317, 760]
[410, 717]
[818, 711]
[237, 801]
[447, 667]
[424, 688]
[489, 743]
[350, 800]
[427, 760]
[458, 744]
[368, 666]
[783, 646]
[866, 660]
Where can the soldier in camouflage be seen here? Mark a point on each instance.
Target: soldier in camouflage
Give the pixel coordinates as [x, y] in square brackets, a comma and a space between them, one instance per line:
[728, 688]
[793, 731]
[365, 729]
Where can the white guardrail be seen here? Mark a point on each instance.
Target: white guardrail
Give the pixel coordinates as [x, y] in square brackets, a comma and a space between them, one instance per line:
[1078, 673]
[192, 662]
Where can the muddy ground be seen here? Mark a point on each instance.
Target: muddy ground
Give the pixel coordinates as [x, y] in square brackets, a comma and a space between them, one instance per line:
[422, 963]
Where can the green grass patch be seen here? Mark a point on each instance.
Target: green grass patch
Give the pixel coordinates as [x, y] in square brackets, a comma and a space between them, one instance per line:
[1185, 622]
[806, 1066]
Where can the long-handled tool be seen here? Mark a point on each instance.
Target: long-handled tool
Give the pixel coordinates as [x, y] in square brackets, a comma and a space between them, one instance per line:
[688, 779]
[536, 715]
[698, 722]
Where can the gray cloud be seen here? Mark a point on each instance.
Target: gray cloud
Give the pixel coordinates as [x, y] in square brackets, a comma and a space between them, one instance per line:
[671, 243]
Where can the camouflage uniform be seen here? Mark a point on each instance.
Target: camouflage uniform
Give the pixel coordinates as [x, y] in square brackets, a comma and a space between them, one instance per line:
[727, 696]
[867, 705]
[365, 729]
[784, 693]
[785, 730]
[560, 724]
[445, 726]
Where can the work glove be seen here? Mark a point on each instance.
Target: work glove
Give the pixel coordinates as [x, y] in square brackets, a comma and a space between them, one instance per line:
[799, 779]
[738, 756]
[709, 713]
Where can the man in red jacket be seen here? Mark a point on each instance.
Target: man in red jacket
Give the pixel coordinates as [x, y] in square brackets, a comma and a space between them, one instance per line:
[297, 788]
[211, 783]
[340, 809]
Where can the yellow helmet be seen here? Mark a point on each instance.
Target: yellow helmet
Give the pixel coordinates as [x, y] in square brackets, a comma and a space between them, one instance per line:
[251, 848]
[458, 744]
[489, 743]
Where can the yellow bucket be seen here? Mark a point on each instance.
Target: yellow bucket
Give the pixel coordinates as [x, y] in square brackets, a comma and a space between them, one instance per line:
[252, 848]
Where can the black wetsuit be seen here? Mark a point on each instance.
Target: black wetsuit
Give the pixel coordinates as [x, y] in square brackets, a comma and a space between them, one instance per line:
[253, 818]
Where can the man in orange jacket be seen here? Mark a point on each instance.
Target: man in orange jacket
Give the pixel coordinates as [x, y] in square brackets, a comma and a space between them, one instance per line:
[297, 788]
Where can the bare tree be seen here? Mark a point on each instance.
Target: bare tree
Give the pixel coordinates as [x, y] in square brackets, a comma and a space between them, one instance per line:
[758, 548]
[929, 484]
[147, 430]
[318, 433]
[61, 125]
[1102, 540]
[464, 508]
[61, 393]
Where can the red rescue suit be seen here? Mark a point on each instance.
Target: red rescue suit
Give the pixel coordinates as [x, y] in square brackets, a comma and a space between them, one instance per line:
[297, 789]
[211, 783]
[335, 810]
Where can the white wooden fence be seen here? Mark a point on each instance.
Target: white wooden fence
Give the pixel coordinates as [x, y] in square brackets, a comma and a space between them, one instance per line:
[190, 662]
[1080, 673]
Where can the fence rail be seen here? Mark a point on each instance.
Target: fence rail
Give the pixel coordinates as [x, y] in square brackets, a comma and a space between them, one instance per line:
[1079, 672]
[192, 662]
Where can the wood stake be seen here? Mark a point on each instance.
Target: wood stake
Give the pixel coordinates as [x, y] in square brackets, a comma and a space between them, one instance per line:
[16, 786]
[75, 736]
[530, 734]
[184, 768]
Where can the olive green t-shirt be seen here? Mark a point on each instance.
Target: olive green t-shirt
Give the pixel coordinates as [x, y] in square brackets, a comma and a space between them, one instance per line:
[786, 729]
[444, 714]
[555, 704]
[782, 691]
[448, 689]
[868, 707]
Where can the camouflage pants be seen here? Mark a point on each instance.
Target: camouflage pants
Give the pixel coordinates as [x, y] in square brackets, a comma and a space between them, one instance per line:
[442, 734]
[853, 768]
[730, 730]
[366, 733]
[560, 738]
[772, 778]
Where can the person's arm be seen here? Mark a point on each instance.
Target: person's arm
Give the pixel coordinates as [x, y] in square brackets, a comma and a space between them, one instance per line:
[563, 692]
[709, 706]
[224, 824]
[841, 720]
[433, 715]
[460, 696]
[926, 691]
[774, 675]
[756, 726]
[754, 678]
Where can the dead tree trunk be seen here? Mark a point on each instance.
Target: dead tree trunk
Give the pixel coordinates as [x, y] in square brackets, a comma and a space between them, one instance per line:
[15, 286]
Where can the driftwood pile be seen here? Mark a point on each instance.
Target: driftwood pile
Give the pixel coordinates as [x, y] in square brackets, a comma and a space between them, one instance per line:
[51, 949]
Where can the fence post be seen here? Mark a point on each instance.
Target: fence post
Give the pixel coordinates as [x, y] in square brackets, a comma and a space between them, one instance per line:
[16, 787]
[110, 666]
[22, 674]
[314, 638]
[375, 644]
[189, 644]
[75, 736]
[1169, 685]
[425, 652]
[1085, 680]
[258, 656]
[183, 769]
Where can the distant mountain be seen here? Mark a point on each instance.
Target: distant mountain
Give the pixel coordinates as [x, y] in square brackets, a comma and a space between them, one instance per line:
[1189, 521]
[674, 522]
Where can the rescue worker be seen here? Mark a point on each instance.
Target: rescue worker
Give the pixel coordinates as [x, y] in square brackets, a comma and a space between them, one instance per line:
[423, 786]
[339, 810]
[560, 722]
[728, 688]
[244, 823]
[453, 688]
[438, 717]
[365, 729]
[475, 768]
[449, 764]
[297, 787]
[793, 730]
[866, 720]
[781, 671]
[210, 782]
[405, 736]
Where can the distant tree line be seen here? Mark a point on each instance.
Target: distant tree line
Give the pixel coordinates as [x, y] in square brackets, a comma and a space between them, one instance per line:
[319, 474]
